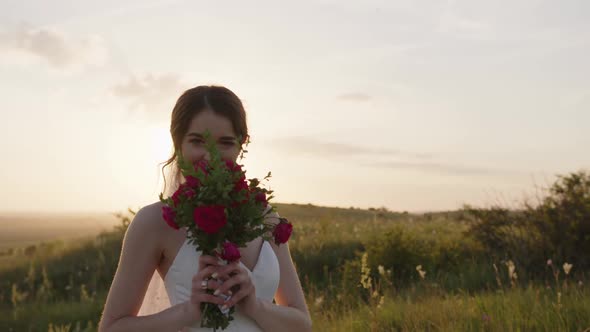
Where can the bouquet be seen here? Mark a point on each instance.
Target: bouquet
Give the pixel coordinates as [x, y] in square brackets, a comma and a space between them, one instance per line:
[222, 212]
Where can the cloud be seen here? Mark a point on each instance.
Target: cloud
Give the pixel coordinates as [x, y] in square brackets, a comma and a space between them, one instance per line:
[452, 22]
[354, 97]
[423, 162]
[151, 93]
[26, 45]
[440, 168]
[316, 148]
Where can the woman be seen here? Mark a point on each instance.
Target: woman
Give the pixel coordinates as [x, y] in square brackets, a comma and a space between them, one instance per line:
[155, 254]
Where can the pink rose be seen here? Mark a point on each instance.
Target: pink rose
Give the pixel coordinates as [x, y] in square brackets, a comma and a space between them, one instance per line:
[169, 215]
[282, 231]
[230, 252]
[210, 218]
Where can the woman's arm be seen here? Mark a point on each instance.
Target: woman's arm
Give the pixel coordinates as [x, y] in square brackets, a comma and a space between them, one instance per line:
[291, 312]
[171, 319]
[139, 259]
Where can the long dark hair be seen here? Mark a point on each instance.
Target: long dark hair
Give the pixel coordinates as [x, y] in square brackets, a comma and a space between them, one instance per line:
[220, 100]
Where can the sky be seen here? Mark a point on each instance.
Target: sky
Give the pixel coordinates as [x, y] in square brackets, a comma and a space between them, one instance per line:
[409, 105]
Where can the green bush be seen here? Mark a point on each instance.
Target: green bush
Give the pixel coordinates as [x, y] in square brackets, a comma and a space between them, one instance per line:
[401, 251]
[556, 228]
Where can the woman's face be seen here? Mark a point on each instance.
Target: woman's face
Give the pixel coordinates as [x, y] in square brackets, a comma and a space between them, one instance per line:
[222, 132]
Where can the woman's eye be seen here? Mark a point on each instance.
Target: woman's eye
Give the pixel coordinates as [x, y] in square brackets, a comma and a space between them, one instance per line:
[196, 141]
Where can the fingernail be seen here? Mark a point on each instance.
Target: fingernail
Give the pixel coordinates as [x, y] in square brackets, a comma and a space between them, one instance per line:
[217, 291]
[229, 292]
[214, 275]
[224, 307]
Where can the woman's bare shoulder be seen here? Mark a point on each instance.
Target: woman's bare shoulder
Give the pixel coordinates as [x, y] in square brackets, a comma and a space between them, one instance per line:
[149, 220]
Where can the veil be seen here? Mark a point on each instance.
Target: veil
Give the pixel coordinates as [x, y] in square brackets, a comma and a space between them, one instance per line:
[156, 299]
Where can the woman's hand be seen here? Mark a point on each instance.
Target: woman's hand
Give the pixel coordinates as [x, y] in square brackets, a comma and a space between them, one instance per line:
[237, 281]
[207, 266]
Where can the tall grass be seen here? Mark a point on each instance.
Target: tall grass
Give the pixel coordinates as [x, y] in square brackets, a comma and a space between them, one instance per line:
[361, 270]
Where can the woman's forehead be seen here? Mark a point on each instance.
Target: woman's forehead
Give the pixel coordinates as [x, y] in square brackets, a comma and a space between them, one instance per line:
[219, 126]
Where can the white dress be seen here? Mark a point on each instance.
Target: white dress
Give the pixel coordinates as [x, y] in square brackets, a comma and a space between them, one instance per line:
[265, 276]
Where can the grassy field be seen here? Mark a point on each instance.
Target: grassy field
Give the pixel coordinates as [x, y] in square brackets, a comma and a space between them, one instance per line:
[362, 270]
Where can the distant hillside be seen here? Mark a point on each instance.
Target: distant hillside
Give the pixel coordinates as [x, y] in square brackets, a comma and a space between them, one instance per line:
[19, 230]
[311, 211]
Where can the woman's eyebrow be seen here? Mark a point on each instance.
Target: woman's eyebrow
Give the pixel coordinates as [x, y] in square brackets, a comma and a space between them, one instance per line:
[197, 135]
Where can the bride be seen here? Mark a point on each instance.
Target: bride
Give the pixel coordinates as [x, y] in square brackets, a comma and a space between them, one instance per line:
[161, 278]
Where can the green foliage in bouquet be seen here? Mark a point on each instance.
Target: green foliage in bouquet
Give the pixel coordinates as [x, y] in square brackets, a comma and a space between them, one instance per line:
[222, 211]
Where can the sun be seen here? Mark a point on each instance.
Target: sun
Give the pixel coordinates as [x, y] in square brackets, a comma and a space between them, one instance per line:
[160, 143]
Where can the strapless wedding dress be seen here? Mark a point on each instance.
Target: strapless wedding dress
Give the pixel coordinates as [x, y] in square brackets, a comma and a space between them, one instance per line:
[265, 276]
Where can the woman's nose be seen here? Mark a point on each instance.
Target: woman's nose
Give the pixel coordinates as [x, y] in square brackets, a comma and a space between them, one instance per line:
[207, 156]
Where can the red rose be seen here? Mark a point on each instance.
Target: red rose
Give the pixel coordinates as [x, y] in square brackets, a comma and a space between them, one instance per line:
[261, 198]
[189, 193]
[233, 166]
[230, 252]
[282, 231]
[176, 196]
[183, 190]
[241, 184]
[201, 165]
[210, 218]
[192, 182]
[169, 215]
[241, 188]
